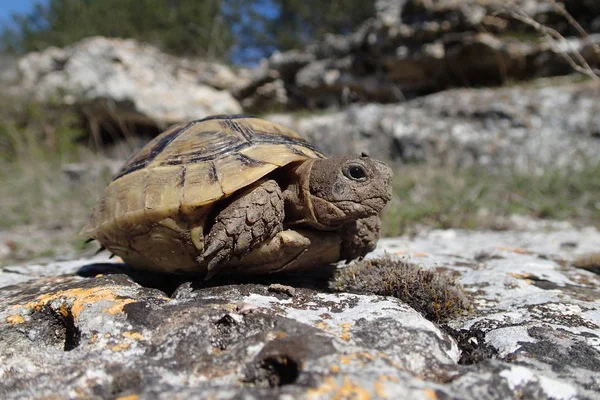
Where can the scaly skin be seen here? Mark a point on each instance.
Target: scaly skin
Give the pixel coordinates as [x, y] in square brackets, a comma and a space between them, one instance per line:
[254, 217]
[359, 237]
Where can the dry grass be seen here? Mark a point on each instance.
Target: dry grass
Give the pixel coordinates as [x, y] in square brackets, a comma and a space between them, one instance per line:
[591, 262]
[474, 198]
[43, 208]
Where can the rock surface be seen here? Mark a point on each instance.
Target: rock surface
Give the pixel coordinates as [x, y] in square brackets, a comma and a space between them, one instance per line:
[92, 332]
[519, 127]
[413, 47]
[128, 81]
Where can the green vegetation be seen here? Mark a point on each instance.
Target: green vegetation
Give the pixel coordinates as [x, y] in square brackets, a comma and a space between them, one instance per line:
[210, 28]
[476, 198]
[263, 26]
[181, 26]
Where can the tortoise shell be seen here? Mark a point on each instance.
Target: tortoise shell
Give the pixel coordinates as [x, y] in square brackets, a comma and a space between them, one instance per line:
[193, 165]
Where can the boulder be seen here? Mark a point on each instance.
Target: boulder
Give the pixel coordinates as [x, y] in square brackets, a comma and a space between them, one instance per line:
[127, 81]
[415, 47]
[517, 128]
[93, 329]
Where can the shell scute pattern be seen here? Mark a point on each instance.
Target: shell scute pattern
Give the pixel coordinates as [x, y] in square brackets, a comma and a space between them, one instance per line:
[193, 165]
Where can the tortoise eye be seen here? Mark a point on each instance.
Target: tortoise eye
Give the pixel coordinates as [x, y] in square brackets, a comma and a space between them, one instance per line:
[356, 172]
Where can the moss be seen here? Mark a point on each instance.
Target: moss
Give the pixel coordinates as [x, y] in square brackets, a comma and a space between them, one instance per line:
[430, 292]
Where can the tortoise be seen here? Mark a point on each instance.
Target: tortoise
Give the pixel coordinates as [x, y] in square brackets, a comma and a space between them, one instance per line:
[238, 194]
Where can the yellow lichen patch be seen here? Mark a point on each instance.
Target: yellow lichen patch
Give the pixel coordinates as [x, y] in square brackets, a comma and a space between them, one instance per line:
[430, 393]
[63, 310]
[526, 277]
[128, 397]
[421, 255]
[80, 298]
[325, 388]
[99, 276]
[379, 385]
[133, 335]
[360, 356]
[93, 338]
[322, 326]
[118, 308]
[334, 368]
[345, 331]
[379, 389]
[120, 347]
[15, 319]
[351, 390]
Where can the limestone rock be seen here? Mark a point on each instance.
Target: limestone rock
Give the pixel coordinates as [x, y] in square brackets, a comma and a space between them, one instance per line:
[86, 329]
[495, 128]
[133, 81]
[415, 47]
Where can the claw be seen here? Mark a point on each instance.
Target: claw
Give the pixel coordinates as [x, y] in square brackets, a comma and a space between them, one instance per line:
[210, 273]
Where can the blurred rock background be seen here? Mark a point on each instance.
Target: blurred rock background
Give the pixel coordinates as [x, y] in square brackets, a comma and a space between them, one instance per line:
[488, 110]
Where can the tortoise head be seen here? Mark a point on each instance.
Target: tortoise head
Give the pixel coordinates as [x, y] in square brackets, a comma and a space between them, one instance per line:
[347, 188]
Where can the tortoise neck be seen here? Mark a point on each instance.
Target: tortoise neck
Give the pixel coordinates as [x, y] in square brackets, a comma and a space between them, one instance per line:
[299, 209]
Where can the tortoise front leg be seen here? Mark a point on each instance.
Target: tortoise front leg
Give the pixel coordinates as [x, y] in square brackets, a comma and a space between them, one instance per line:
[359, 237]
[255, 216]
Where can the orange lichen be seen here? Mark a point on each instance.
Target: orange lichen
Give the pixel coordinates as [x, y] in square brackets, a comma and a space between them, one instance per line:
[15, 319]
[421, 255]
[524, 276]
[360, 356]
[120, 347]
[379, 388]
[351, 390]
[347, 390]
[79, 298]
[133, 335]
[345, 331]
[128, 397]
[334, 368]
[345, 360]
[325, 388]
[322, 325]
[431, 394]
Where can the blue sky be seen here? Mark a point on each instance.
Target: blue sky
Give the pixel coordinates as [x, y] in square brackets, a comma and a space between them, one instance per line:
[8, 7]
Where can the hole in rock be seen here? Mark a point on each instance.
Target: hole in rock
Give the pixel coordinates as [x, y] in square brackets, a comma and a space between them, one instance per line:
[280, 370]
[56, 326]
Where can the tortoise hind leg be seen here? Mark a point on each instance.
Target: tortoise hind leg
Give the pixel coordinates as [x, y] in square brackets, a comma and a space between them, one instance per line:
[253, 217]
